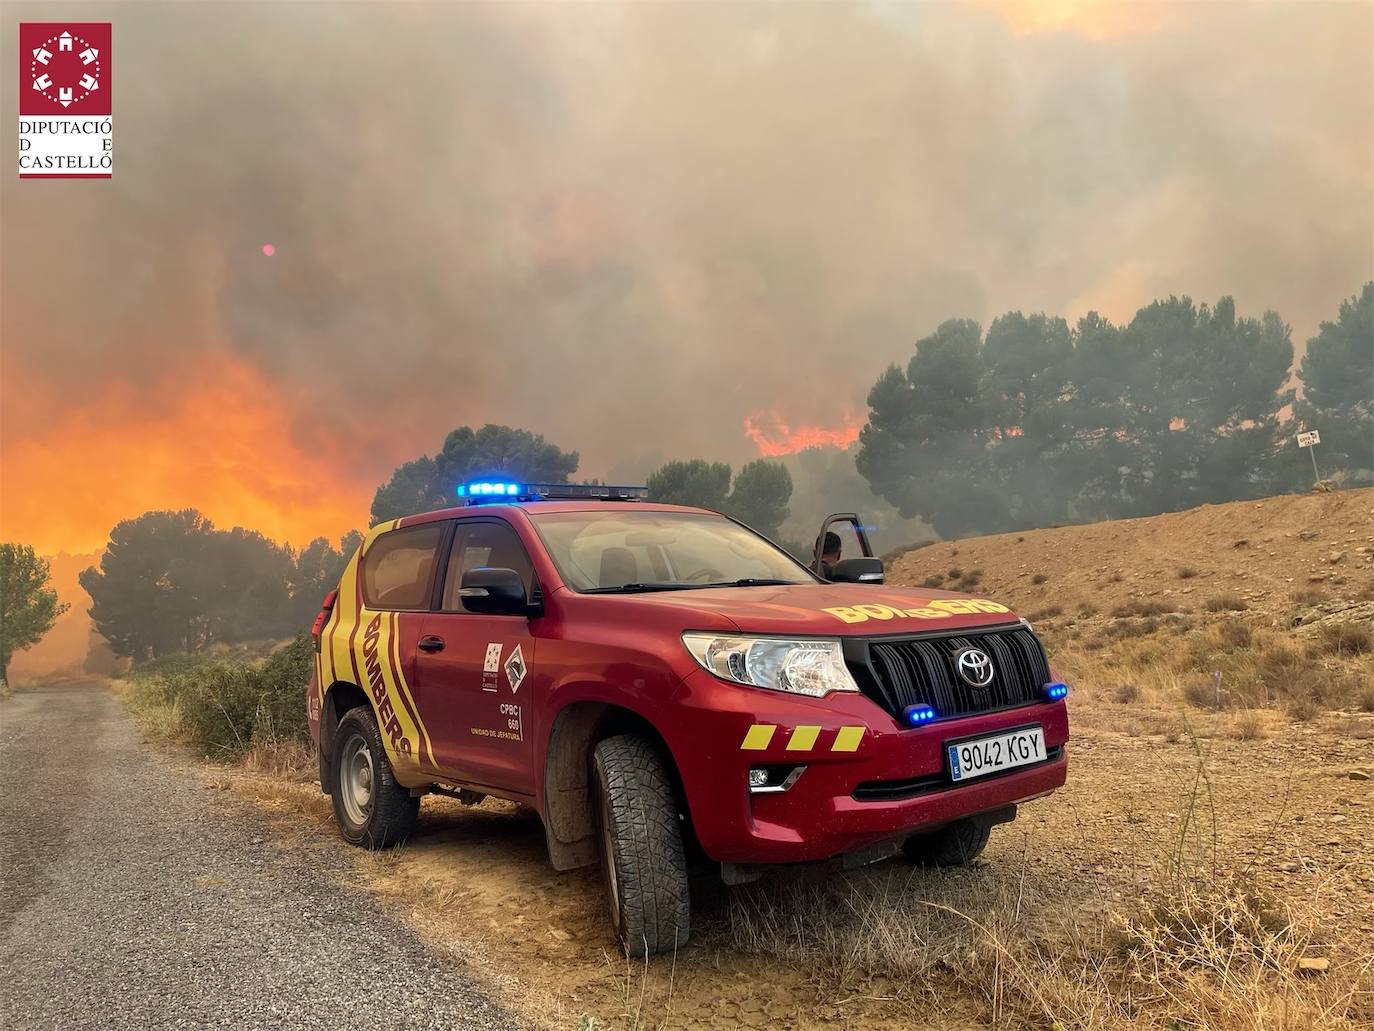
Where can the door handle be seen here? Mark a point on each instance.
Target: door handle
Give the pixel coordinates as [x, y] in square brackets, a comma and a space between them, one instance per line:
[430, 643]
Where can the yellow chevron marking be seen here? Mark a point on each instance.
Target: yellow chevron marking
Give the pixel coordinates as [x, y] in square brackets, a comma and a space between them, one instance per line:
[802, 739]
[847, 740]
[758, 737]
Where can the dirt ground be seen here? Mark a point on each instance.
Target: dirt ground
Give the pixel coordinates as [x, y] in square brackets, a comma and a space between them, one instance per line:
[1263, 551]
[1287, 808]
[477, 882]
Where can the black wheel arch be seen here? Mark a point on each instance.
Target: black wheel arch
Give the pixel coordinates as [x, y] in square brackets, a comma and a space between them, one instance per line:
[338, 700]
[569, 805]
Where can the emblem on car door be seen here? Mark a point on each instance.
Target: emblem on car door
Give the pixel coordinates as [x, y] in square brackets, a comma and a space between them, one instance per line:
[974, 667]
[515, 669]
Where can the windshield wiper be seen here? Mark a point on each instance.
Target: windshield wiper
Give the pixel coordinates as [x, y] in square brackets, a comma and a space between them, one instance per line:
[639, 588]
[753, 581]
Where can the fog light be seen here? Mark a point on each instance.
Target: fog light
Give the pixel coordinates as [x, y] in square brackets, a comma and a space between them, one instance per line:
[772, 780]
[1056, 691]
[916, 715]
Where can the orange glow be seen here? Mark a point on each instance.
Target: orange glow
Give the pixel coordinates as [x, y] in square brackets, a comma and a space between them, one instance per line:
[774, 437]
[221, 442]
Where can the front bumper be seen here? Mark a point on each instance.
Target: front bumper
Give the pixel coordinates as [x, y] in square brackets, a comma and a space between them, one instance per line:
[845, 742]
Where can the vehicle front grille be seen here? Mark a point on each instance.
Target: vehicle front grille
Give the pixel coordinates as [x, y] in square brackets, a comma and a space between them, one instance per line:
[900, 672]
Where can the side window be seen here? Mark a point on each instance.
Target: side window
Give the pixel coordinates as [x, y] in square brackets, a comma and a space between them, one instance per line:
[479, 545]
[397, 568]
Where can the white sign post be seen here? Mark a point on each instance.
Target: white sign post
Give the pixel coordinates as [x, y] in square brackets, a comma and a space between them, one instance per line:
[1310, 439]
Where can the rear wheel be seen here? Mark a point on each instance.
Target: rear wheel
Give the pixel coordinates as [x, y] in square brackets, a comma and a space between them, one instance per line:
[958, 844]
[642, 855]
[371, 809]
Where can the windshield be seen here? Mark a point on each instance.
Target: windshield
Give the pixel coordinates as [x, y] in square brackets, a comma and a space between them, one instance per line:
[618, 551]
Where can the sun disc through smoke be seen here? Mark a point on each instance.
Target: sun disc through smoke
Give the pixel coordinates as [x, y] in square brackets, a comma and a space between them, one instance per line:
[268, 249]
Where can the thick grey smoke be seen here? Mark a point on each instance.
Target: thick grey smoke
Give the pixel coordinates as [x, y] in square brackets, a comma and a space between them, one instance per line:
[630, 227]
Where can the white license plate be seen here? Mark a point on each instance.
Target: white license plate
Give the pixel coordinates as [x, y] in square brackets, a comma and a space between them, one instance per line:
[1005, 751]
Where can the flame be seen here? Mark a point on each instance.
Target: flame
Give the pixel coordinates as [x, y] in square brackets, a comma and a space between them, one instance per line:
[221, 440]
[775, 437]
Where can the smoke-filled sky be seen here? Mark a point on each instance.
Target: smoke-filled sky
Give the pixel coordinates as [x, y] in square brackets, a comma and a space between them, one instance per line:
[645, 231]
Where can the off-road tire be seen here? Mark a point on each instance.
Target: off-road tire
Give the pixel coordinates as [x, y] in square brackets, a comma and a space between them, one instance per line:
[958, 844]
[391, 814]
[643, 861]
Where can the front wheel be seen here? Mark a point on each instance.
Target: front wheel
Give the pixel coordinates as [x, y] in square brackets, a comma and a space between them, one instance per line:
[642, 855]
[371, 809]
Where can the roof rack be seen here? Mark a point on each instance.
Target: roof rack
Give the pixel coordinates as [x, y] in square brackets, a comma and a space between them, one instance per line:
[502, 492]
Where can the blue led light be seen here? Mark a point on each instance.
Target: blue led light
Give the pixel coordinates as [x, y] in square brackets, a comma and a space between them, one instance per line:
[488, 488]
[1056, 691]
[916, 715]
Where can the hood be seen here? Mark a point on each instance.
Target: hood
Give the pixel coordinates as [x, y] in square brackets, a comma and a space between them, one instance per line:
[828, 610]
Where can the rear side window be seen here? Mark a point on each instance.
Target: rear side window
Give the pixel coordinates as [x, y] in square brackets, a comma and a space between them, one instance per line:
[397, 569]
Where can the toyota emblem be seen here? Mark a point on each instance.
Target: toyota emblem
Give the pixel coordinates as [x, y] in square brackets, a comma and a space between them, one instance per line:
[974, 667]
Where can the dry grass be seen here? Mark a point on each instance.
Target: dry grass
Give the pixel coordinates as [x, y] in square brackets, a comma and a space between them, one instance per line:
[1343, 639]
[1309, 596]
[1222, 664]
[1228, 602]
[1142, 607]
[1186, 572]
[1200, 949]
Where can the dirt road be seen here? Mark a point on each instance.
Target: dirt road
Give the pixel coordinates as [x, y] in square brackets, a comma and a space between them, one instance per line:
[132, 896]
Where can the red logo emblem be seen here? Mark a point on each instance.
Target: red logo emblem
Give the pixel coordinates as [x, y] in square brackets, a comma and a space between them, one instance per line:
[64, 68]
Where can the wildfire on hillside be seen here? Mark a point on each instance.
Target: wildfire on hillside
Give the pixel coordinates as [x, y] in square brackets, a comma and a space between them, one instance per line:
[774, 436]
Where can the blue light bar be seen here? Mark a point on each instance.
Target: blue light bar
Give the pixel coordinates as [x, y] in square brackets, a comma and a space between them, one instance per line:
[489, 489]
[1056, 692]
[917, 715]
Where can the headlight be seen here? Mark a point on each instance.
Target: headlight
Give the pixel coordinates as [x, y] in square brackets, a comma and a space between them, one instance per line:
[813, 668]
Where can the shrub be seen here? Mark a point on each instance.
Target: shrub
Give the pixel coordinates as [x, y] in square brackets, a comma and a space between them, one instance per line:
[1302, 709]
[1344, 639]
[1229, 602]
[1186, 572]
[1308, 596]
[1127, 692]
[1248, 726]
[1234, 635]
[1086, 609]
[933, 581]
[1203, 694]
[955, 573]
[1039, 578]
[1048, 612]
[1142, 607]
[224, 707]
[970, 579]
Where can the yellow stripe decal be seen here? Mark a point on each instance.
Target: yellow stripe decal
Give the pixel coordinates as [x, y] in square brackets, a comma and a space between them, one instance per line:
[803, 739]
[758, 737]
[847, 740]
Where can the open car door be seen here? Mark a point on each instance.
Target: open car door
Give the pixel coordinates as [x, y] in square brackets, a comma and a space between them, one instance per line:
[864, 568]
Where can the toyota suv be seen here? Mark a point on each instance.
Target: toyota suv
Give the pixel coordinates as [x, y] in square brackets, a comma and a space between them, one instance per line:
[661, 682]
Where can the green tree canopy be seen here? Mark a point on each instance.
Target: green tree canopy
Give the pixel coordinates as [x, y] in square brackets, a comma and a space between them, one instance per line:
[1338, 391]
[28, 606]
[759, 496]
[1039, 423]
[169, 581]
[316, 572]
[692, 482]
[426, 483]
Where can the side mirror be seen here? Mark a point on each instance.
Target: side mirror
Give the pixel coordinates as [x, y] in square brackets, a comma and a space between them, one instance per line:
[857, 571]
[494, 592]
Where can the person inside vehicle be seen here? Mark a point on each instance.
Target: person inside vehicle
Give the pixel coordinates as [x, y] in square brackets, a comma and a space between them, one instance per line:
[830, 553]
